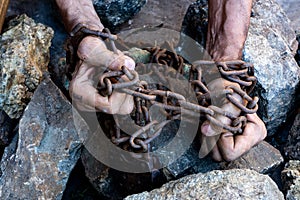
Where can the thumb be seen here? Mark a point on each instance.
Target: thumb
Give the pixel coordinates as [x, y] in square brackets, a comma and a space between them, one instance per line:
[121, 60]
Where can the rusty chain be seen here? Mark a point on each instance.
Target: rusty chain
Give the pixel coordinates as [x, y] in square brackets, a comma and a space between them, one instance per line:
[172, 104]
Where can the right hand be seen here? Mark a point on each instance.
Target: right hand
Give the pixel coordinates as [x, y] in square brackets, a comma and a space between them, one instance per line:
[94, 59]
[229, 147]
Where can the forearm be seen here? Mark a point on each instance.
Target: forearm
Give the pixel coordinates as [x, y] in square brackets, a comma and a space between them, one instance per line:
[227, 28]
[74, 12]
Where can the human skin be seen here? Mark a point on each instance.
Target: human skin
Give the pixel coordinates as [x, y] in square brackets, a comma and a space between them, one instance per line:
[227, 31]
[94, 58]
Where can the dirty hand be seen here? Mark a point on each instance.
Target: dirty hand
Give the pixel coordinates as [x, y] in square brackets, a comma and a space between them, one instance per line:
[94, 59]
[229, 147]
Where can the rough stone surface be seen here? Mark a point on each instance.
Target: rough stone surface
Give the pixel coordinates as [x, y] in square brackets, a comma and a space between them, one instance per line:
[291, 180]
[113, 184]
[292, 148]
[48, 147]
[228, 184]
[291, 8]
[45, 12]
[262, 158]
[270, 46]
[163, 13]
[115, 12]
[24, 56]
[195, 21]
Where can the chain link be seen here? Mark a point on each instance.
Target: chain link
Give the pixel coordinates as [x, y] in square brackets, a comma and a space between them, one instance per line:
[172, 104]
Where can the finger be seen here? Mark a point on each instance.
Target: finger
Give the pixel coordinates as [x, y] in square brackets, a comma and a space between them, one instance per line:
[253, 118]
[84, 95]
[207, 145]
[232, 147]
[216, 155]
[89, 99]
[121, 103]
[209, 129]
[121, 60]
[254, 122]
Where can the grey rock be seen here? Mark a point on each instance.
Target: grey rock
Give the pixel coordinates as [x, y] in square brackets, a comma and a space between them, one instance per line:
[163, 13]
[292, 148]
[195, 21]
[190, 163]
[270, 46]
[113, 184]
[262, 158]
[291, 179]
[228, 184]
[291, 8]
[269, 15]
[24, 56]
[115, 12]
[48, 147]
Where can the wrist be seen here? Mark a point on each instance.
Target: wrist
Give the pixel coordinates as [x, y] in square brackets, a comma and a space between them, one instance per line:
[94, 26]
[226, 53]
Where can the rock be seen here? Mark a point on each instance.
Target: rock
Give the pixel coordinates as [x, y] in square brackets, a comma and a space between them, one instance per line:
[292, 148]
[113, 184]
[6, 128]
[270, 46]
[48, 147]
[24, 56]
[115, 12]
[45, 12]
[269, 49]
[262, 158]
[291, 8]
[160, 13]
[297, 56]
[190, 163]
[195, 21]
[229, 184]
[291, 180]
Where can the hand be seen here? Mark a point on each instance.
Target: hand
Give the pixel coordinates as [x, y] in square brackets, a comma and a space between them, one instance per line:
[229, 147]
[95, 58]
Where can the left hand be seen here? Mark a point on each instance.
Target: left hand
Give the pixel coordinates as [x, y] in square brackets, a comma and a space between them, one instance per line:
[94, 59]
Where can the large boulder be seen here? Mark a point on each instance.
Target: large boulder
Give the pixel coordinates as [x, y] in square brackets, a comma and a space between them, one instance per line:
[38, 164]
[270, 46]
[228, 184]
[24, 56]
